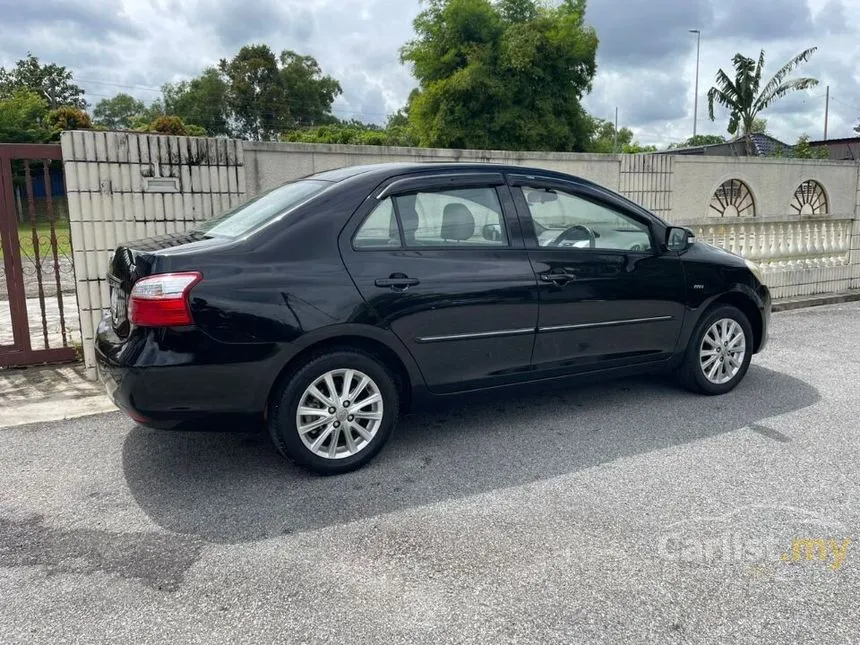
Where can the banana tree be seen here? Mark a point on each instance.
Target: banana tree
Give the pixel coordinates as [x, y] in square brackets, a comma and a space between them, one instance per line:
[742, 97]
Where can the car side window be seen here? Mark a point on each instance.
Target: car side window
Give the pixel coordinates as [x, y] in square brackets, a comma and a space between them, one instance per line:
[379, 229]
[452, 218]
[564, 220]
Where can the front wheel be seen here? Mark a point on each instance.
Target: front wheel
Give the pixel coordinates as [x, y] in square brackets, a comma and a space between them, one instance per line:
[719, 353]
[334, 413]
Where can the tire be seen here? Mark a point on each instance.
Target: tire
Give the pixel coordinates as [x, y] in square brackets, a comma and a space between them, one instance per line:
[313, 449]
[696, 367]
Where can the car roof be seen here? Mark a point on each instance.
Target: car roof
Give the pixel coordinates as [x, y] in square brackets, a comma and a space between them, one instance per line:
[383, 171]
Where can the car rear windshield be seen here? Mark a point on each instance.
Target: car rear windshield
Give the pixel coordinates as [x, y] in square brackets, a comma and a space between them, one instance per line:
[262, 209]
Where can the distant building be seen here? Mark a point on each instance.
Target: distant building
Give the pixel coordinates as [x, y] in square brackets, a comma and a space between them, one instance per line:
[840, 149]
[751, 145]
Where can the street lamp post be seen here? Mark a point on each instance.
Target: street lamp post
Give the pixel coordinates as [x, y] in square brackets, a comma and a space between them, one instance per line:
[696, 97]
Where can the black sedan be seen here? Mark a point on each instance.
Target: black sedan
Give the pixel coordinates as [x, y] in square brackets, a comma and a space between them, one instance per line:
[330, 305]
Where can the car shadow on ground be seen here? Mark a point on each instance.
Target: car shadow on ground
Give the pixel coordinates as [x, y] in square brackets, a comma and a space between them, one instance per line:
[230, 488]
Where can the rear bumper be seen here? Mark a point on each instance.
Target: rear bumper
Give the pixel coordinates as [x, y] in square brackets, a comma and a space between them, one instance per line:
[168, 379]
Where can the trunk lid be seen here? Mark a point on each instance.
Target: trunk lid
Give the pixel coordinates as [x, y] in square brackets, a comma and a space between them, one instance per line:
[135, 260]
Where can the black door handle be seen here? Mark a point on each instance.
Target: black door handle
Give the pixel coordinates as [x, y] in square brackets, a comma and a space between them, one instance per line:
[557, 277]
[397, 281]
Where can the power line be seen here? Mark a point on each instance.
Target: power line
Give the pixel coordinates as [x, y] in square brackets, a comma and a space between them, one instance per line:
[853, 107]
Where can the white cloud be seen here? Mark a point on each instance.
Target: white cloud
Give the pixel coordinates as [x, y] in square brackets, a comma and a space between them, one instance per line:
[646, 60]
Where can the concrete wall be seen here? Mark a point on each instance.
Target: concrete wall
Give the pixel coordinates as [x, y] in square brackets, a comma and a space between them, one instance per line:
[678, 188]
[271, 164]
[771, 181]
[124, 186]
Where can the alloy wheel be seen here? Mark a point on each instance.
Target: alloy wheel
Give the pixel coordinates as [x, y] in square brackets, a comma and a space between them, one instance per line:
[723, 350]
[339, 414]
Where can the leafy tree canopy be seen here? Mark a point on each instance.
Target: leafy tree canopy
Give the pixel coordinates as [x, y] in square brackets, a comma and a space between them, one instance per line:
[67, 118]
[699, 140]
[201, 101]
[354, 132]
[603, 140]
[22, 115]
[118, 113]
[267, 95]
[174, 125]
[51, 82]
[508, 74]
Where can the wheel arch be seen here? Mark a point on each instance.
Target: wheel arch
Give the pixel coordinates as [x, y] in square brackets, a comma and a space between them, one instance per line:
[372, 341]
[749, 305]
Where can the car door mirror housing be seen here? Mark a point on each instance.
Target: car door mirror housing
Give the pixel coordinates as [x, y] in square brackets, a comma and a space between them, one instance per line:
[679, 238]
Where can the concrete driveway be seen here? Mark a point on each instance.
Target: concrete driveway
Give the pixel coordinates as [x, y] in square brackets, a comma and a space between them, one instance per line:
[626, 512]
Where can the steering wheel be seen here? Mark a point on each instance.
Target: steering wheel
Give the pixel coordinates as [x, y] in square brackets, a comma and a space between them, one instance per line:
[567, 236]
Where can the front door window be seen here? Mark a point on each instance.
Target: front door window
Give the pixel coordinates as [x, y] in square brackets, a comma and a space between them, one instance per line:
[564, 220]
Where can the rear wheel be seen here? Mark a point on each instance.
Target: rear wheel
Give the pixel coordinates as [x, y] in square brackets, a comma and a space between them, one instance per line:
[719, 352]
[334, 413]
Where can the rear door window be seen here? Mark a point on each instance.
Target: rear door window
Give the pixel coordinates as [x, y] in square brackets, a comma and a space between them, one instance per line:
[452, 218]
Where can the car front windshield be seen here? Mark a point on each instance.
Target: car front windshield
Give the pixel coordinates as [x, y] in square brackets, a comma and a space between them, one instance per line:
[263, 209]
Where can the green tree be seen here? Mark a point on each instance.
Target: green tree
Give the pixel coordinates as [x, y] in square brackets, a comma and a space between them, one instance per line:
[22, 116]
[255, 96]
[202, 101]
[802, 150]
[507, 75]
[268, 95]
[148, 115]
[354, 133]
[759, 126]
[118, 113]
[174, 125]
[603, 140]
[51, 82]
[743, 97]
[67, 118]
[309, 93]
[698, 140]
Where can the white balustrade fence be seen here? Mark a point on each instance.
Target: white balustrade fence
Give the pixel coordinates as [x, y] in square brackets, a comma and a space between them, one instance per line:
[783, 245]
[798, 257]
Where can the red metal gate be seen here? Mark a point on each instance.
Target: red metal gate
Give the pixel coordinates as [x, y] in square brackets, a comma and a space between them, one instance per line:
[37, 299]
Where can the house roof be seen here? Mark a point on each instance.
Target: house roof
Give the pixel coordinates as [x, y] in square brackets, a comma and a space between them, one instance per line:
[824, 142]
[763, 144]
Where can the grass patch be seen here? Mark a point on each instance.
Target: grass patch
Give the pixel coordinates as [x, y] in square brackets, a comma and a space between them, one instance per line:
[43, 232]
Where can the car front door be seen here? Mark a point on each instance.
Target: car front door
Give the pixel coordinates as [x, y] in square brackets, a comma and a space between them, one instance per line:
[441, 262]
[609, 296]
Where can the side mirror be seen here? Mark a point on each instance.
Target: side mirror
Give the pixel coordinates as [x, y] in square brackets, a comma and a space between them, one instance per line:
[679, 238]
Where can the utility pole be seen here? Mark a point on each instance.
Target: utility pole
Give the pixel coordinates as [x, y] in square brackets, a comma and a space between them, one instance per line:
[698, 33]
[826, 111]
[615, 138]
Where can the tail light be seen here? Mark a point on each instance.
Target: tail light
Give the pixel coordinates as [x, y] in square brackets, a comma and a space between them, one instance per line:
[162, 300]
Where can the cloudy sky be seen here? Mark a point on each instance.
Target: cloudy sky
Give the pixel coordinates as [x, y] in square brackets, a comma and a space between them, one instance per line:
[646, 59]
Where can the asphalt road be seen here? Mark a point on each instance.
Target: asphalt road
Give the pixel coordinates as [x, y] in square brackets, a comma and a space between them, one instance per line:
[627, 512]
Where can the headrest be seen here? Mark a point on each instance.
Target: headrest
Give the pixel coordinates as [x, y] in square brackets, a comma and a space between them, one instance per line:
[458, 223]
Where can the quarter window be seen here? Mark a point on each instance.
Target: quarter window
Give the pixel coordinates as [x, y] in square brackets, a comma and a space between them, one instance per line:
[563, 220]
[452, 218]
[379, 230]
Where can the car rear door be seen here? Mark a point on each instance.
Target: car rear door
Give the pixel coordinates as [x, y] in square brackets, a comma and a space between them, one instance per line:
[440, 260]
[609, 296]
